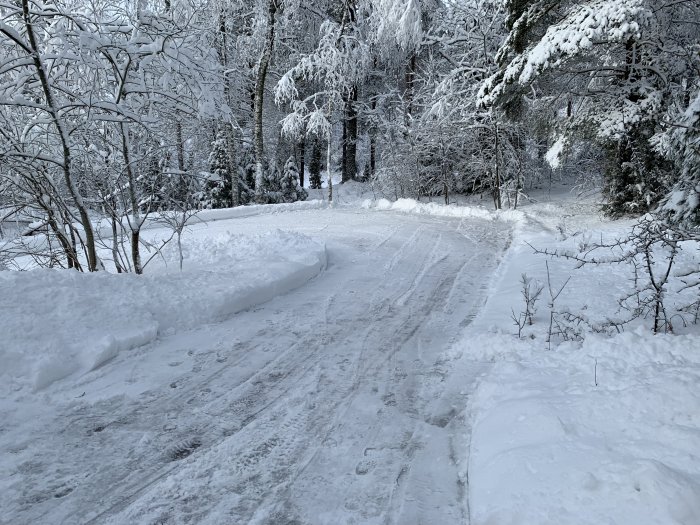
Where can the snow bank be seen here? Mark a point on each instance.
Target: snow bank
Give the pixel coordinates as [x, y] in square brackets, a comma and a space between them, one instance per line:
[54, 321]
[257, 209]
[601, 431]
[441, 210]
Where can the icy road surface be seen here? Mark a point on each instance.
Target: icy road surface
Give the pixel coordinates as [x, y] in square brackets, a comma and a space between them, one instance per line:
[328, 405]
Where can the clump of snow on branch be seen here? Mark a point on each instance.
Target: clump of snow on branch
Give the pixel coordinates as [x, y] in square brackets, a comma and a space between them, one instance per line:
[400, 22]
[337, 63]
[554, 154]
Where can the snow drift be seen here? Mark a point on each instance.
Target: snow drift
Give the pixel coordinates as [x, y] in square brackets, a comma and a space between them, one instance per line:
[59, 322]
[441, 210]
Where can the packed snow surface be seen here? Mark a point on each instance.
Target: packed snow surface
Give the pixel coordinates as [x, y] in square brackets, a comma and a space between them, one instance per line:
[328, 404]
[354, 363]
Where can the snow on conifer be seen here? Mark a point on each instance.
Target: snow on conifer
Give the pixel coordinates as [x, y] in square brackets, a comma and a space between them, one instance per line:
[682, 144]
[289, 183]
[217, 190]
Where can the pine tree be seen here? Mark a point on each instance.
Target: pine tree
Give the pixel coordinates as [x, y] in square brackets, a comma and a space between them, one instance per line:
[682, 145]
[217, 190]
[271, 190]
[290, 188]
[636, 178]
[620, 61]
[152, 186]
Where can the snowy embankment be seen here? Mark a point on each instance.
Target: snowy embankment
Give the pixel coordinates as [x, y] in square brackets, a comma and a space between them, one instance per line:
[440, 210]
[604, 430]
[256, 209]
[60, 322]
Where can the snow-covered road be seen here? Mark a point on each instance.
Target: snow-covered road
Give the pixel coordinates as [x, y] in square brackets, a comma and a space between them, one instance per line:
[331, 404]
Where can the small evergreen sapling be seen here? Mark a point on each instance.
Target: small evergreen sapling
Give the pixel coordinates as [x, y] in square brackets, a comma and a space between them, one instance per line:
[290, 186]
[271, 193]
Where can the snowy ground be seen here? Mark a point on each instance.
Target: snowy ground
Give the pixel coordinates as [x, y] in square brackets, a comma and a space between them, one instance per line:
[382, 383]
[325, 405]
[601, 431]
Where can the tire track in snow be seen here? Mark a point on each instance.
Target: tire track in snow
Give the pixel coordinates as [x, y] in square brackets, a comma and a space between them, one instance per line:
[322, 413]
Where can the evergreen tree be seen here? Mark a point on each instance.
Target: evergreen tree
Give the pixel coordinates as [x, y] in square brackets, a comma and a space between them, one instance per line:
[622, 63]
[682, 145]
[271, 189]
[217, 190]
[290, 188]
[152, 184]
[246, 168]
[636, 177]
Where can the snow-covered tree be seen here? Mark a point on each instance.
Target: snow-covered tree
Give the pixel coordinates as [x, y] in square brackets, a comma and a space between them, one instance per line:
[114, 86]
[614, 68]
[337, 65]
[217, 191]
[681, 143]
[289, 183]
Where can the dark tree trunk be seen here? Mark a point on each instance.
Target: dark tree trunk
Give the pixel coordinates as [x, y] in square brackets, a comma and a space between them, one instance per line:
[373, 144]
[115, 244]
[497, 174]
[259, 96]
[180, 147]
[302, 159]
[344, 161]
[350, 137]
[71, 256]
[410, 84]
[135, 251]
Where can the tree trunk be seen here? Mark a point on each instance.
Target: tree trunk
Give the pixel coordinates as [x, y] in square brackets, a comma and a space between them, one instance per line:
[181, 190]
[350, 137]
[302, 159]
[135, 251]
[71, 256]
[496, 172]
[115, 245]
[259, 97]
[373, 144]
[410, 85]
[179, 248]
[328, 169]
[233, 169]
[230, 131]
[135, 221]
[180, 147]
[344, 160]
